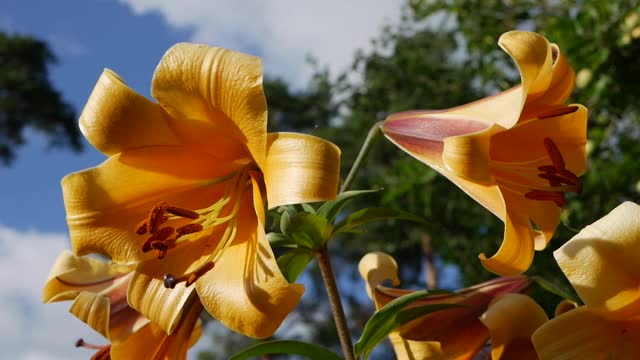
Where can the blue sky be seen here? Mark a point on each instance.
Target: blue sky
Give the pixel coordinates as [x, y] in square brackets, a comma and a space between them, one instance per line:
[129, 37]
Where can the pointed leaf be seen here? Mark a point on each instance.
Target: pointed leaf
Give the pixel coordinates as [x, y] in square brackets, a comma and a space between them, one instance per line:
[308, 230]
[331, 209]
[293, 263]
[392, 316]
[366, 215]
[280, 240]
[310, 351]
[285, 219]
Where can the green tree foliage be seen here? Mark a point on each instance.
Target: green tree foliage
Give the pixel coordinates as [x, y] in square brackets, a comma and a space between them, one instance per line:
[27, 99]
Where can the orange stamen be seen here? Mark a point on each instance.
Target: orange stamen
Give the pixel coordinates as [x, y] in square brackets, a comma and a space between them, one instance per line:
[554, 153]
[161, 235]
[189, 229]
[155, 217]
[185, 213]
[557, 197]
[171, 281]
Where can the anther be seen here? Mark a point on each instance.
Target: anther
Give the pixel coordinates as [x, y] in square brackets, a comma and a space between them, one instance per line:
[171, 281]
[141, 229]
[160, 235]
[554, 153]
[189, 229]
[185, 213]
[155, 217]
[557, 197]
[549, 169]
[81, 343]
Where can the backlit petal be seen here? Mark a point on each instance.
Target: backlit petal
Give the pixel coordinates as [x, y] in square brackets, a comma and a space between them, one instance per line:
[300, 168]
[601, 262]
[218, 87]
[516, 251]
[375, 268]
[117, 118]
[161, 305]
[525, 141]
[468, 156]
[71, 275]
[415, 350]
[246, 290]
[94, 310]
[583, 334]
[421, 134]
[104, 204]
[510, 318]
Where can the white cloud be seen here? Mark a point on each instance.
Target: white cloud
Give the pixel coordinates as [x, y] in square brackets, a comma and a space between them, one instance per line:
[282, 32]
[30, 330]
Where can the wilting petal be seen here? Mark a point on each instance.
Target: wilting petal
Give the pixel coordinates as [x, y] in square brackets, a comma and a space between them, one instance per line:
[511, 320]
[104, 204]
[220, 87]
[516, 251]
[71, 275]
[117, 118]
[300, 168]
[93, 309]
[601, 262]
[584, 334]
[246, 290]
[421, 134]
[375, 268]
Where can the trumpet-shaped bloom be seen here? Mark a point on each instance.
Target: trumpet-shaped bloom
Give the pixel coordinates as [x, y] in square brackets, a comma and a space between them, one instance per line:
[517, 153]
[490, 309]
[601, 262]
[98, 291]
[183, 188]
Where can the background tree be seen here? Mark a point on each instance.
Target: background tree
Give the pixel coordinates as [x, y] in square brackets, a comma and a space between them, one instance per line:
[27, 98]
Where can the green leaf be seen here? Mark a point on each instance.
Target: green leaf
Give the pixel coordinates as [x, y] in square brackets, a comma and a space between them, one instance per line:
[366, 215]
[332, 208]
[392, 316]
[293, 263]
[546, 285]
[308, 208]
[285, 219]
[312, 352]
[279, 240]
[308, 230]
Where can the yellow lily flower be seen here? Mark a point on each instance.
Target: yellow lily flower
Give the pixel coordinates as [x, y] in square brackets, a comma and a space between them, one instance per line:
[98, 290]
[517, 153]
[601, 262]
[182, 190]
[488, 310]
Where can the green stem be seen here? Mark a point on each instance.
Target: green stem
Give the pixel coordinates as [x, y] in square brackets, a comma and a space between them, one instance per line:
[364, 150]
[329, 278]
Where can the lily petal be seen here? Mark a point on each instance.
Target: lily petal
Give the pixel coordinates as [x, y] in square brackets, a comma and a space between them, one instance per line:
[105, 203]
[375, 268]
[117, 118]
[218, 87]
[246, 290]
[601, 262]
[511, 320]
[421, 134]
[468, 155]
[161, 305]
[300, 168]
[584, 334]
[71, 275]
[515, 254]
[416, 350]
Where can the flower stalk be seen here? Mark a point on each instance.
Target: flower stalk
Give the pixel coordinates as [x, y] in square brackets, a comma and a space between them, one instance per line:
[364, 150]
[329, 279]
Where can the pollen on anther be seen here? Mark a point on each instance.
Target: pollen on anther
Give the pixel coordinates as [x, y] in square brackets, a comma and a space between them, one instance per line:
[185, 213]
[189, 229]
[155, 216]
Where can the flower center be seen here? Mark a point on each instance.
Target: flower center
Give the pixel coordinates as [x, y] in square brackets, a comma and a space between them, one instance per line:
[162, 236]
[548, 182]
